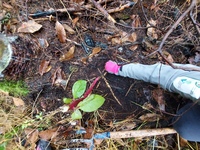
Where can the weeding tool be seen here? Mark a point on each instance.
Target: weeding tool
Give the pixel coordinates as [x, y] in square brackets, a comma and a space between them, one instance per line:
[121, 134]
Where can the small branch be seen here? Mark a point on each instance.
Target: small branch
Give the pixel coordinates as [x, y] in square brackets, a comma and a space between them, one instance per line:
[194, 23]
[110, 88]
[103, 11]
[129, 4]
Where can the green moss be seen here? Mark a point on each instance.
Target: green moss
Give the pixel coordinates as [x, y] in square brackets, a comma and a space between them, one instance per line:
[15, 88]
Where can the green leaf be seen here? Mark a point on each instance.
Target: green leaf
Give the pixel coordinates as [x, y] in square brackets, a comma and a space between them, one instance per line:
[76, 115]
[3, 146]
[91, 103]
[67, 100]
[79, 88]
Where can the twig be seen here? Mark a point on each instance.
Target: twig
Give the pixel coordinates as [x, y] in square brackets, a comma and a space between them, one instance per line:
[151, 25]
[129, 4]
[194, 23]
[104, 12]
[110, 88]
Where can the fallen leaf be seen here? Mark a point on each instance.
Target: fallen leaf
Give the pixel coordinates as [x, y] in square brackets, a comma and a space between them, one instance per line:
[18, 101]
[149, 117]
[8, 6]
[128, 126]
[133, 48]
[95, 51]
[69, 55]
[116, 40]
[74, 21]
[48, 134]
[84, 60]
[78, 1]
[57, 75]
[147, 106]
[168, 56]
[32, 137]
[122, 37]
[69, 29]
[43, 43]
[126, 37]
[44, 67]
[60, 31]
[29, 27]
[2, 14]
[151, 32]
[136, 21]
[158, 96]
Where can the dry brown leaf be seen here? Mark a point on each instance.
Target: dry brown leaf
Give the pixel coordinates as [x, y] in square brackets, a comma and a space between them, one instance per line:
[158, 96]
[43, 43]
[133, 48]
[149, 117]
[29, 27]
[129, 37]
[95, 51]
[44, 67]
[32, 137]
[151, 32]
[78, 1]
[74, 21]
[60, 31]
[57, 75]
[136, 21]
[69, 29]
[48, 134]
[116, 40]
[84, 60]
[18, 101]
[8, 6]
[69, 55]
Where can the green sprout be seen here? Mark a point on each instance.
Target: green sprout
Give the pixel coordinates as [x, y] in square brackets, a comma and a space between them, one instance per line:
[83, 100]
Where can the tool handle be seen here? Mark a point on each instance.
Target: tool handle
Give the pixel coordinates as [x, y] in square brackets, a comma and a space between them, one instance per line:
[141, 133]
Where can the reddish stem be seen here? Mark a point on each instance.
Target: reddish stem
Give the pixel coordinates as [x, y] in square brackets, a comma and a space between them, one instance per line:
[88, 92]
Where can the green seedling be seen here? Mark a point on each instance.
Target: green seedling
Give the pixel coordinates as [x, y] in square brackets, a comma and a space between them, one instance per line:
[83, 100]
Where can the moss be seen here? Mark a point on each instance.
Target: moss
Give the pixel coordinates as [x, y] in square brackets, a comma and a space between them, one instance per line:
[15, 88]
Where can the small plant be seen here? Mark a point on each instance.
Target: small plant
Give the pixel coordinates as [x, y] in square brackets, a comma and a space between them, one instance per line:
[15, 88]
[82, 99]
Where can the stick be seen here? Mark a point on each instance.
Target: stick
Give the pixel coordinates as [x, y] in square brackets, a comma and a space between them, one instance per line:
[129, 4]
[104, 12]
[110, 88]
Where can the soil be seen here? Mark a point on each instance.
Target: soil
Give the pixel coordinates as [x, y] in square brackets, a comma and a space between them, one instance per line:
[132, 94]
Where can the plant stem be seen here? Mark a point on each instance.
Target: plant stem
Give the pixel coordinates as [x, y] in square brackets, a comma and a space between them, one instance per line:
[88, 92]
